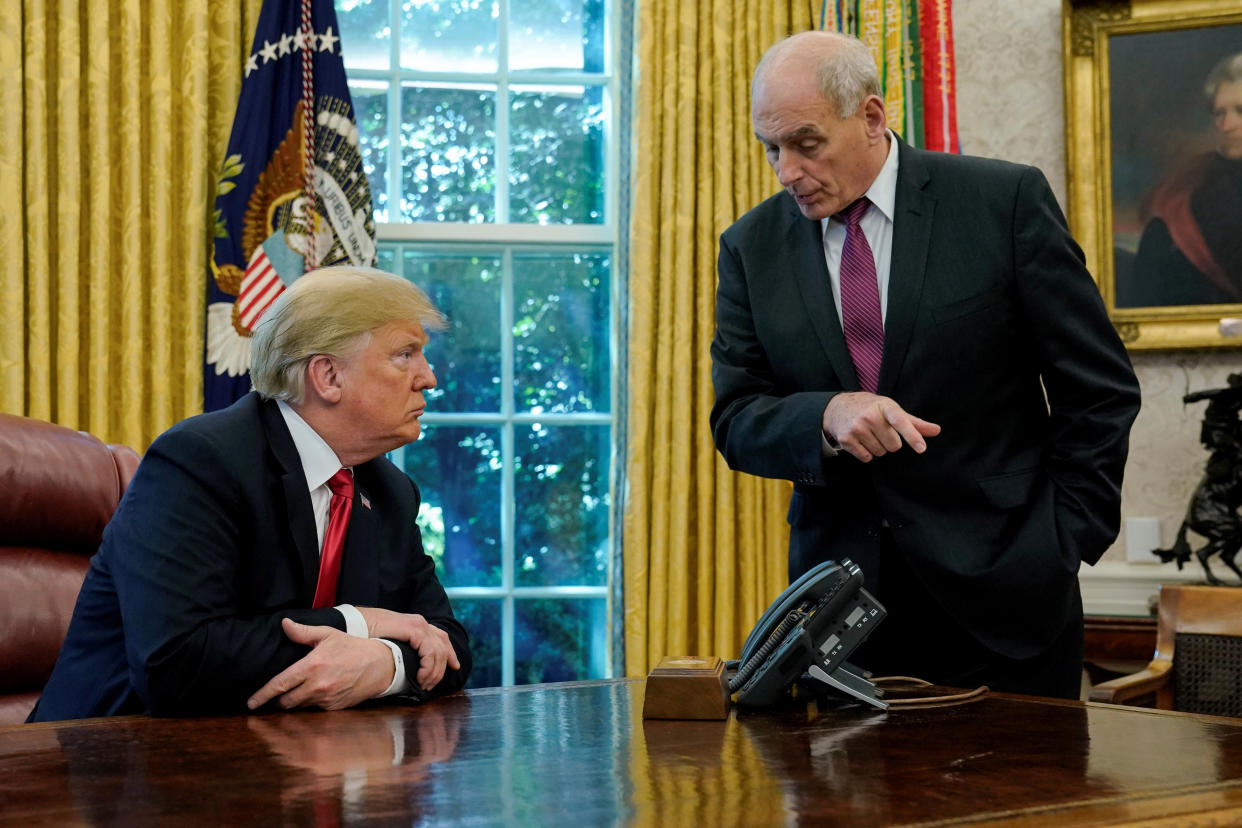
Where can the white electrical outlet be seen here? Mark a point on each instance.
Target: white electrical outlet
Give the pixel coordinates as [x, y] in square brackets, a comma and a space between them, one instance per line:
[1142, 536]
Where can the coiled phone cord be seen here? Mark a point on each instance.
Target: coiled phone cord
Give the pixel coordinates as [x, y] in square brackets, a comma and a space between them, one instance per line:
[774, 640]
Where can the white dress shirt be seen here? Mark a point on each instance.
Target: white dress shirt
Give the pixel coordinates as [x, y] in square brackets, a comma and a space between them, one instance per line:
[319, 463]
[877, 226]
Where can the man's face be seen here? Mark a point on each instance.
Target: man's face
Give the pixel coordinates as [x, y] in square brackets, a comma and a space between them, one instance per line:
[1227, 115]
[383, 385]
[823, 161]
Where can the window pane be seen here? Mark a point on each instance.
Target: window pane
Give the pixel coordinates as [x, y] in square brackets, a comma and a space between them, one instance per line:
[371, 109]
[560, 640]
[466, 357]
[366, 35]
[551, 35]
[448, 150]
[561, 493]
[556, 166]
[481, 618]
[457, 469]
[560, 332]
[449, 35]
[386, 258]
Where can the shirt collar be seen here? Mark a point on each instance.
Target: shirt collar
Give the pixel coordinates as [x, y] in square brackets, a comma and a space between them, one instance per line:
[319, 461]
[883, 191]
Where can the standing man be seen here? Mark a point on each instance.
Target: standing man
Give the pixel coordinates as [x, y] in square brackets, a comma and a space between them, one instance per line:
[912, 339]
[268, 553]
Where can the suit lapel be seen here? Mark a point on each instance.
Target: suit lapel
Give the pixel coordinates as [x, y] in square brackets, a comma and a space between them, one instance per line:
[912, 223]
[359, 581]
[297, 498]
[805, 238]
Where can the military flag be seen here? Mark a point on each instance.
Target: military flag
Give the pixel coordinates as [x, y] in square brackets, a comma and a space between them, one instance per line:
[291, 194]
[912, 42]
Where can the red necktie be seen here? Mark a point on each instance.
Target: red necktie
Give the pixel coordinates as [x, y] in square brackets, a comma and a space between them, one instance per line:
[860, 299]
[342, 486]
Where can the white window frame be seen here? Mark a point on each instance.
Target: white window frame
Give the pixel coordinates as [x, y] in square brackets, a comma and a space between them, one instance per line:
[504, 238]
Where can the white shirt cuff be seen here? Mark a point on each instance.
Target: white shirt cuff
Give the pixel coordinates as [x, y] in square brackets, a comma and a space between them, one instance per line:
[826, 447]
[356, 626]
[398, 669]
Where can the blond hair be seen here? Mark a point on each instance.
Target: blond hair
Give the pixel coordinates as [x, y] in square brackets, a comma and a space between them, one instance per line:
[845, 70]
[329, 311]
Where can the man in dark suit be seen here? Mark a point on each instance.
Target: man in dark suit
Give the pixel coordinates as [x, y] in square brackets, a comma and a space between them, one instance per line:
[208, 595]
[964, 442]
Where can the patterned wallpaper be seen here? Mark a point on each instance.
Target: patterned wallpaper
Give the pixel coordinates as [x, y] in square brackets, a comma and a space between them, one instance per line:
[1009, 105]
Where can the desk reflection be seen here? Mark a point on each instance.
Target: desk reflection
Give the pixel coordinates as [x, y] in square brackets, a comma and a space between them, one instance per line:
[845, 764]
[282, 768]
[353, 773]
[580, 754]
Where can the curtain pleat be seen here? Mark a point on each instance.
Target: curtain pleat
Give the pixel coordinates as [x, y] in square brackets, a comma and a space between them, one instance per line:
[704, 548]
[119, 114]
[13, 234]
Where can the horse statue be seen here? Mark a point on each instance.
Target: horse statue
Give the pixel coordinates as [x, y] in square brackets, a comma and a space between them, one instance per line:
[1213, 510]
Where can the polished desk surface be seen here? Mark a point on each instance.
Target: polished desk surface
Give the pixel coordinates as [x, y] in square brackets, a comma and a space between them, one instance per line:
[580, 754]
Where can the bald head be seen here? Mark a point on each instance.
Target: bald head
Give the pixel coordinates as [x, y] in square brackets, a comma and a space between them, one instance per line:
[817, 112]
[841, 65]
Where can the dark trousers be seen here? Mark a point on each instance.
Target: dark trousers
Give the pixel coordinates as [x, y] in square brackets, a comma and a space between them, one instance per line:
[919, 639]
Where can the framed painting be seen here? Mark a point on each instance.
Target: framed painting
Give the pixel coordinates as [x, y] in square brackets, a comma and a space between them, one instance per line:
[1153, 102]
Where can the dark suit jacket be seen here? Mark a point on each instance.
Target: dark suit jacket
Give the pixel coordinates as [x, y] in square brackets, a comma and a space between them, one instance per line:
[212, 545]
[988, 297]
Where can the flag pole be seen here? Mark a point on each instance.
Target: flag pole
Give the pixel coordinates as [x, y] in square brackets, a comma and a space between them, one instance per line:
[308, 132]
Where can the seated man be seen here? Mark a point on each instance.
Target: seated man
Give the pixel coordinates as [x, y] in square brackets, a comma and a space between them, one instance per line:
[268, 552]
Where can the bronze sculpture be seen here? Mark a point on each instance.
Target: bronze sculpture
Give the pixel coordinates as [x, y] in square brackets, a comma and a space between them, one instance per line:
[1213, 509]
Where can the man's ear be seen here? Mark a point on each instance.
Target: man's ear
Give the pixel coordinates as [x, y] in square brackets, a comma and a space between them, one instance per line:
[874, 116]
[324, 379]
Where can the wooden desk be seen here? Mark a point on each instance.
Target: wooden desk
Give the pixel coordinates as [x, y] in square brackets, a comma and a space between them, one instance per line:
[580, 755]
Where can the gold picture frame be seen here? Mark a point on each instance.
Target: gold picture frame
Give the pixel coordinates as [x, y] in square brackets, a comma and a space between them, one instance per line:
[1134, 80]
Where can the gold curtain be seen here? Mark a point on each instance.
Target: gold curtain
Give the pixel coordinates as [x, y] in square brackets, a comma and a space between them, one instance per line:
[117, 114]
[704, 547]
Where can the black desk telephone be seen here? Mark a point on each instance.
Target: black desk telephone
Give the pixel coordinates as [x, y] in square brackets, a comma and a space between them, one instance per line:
[812, 627]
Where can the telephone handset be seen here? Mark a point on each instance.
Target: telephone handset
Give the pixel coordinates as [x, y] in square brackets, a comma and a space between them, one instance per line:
[811, 628]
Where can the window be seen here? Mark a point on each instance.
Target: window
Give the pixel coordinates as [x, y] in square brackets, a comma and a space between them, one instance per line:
[488, 130]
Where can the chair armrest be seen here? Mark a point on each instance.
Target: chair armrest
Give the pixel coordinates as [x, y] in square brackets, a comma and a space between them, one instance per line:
[1120, 690]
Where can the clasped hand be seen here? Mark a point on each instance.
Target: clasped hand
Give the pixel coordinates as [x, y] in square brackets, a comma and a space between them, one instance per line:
[867, 425]
[435, 650]
[342, 670]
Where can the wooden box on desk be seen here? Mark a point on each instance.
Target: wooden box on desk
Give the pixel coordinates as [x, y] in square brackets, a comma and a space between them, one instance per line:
[687, 687]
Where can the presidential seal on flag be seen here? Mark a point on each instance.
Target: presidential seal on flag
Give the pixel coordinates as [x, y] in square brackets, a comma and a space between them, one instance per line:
[292, 195]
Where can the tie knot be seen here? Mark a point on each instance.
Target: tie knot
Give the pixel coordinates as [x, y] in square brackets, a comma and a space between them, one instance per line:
[854, 212]
[342, 483]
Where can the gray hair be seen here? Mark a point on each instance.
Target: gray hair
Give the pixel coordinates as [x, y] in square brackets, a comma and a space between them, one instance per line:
[329, 311]
[1226, 70]
[845, 71]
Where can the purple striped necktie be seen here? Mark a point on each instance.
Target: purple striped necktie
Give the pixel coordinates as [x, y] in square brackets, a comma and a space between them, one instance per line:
[860, 299]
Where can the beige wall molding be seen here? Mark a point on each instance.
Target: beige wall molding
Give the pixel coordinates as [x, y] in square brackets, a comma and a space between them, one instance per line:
[1119, 588]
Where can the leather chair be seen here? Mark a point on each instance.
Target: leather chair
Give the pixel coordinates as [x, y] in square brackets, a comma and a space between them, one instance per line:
[1197, 667]
[58, 489]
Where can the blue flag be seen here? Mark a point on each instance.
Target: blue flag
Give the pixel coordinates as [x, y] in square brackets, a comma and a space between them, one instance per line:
[271, 223]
